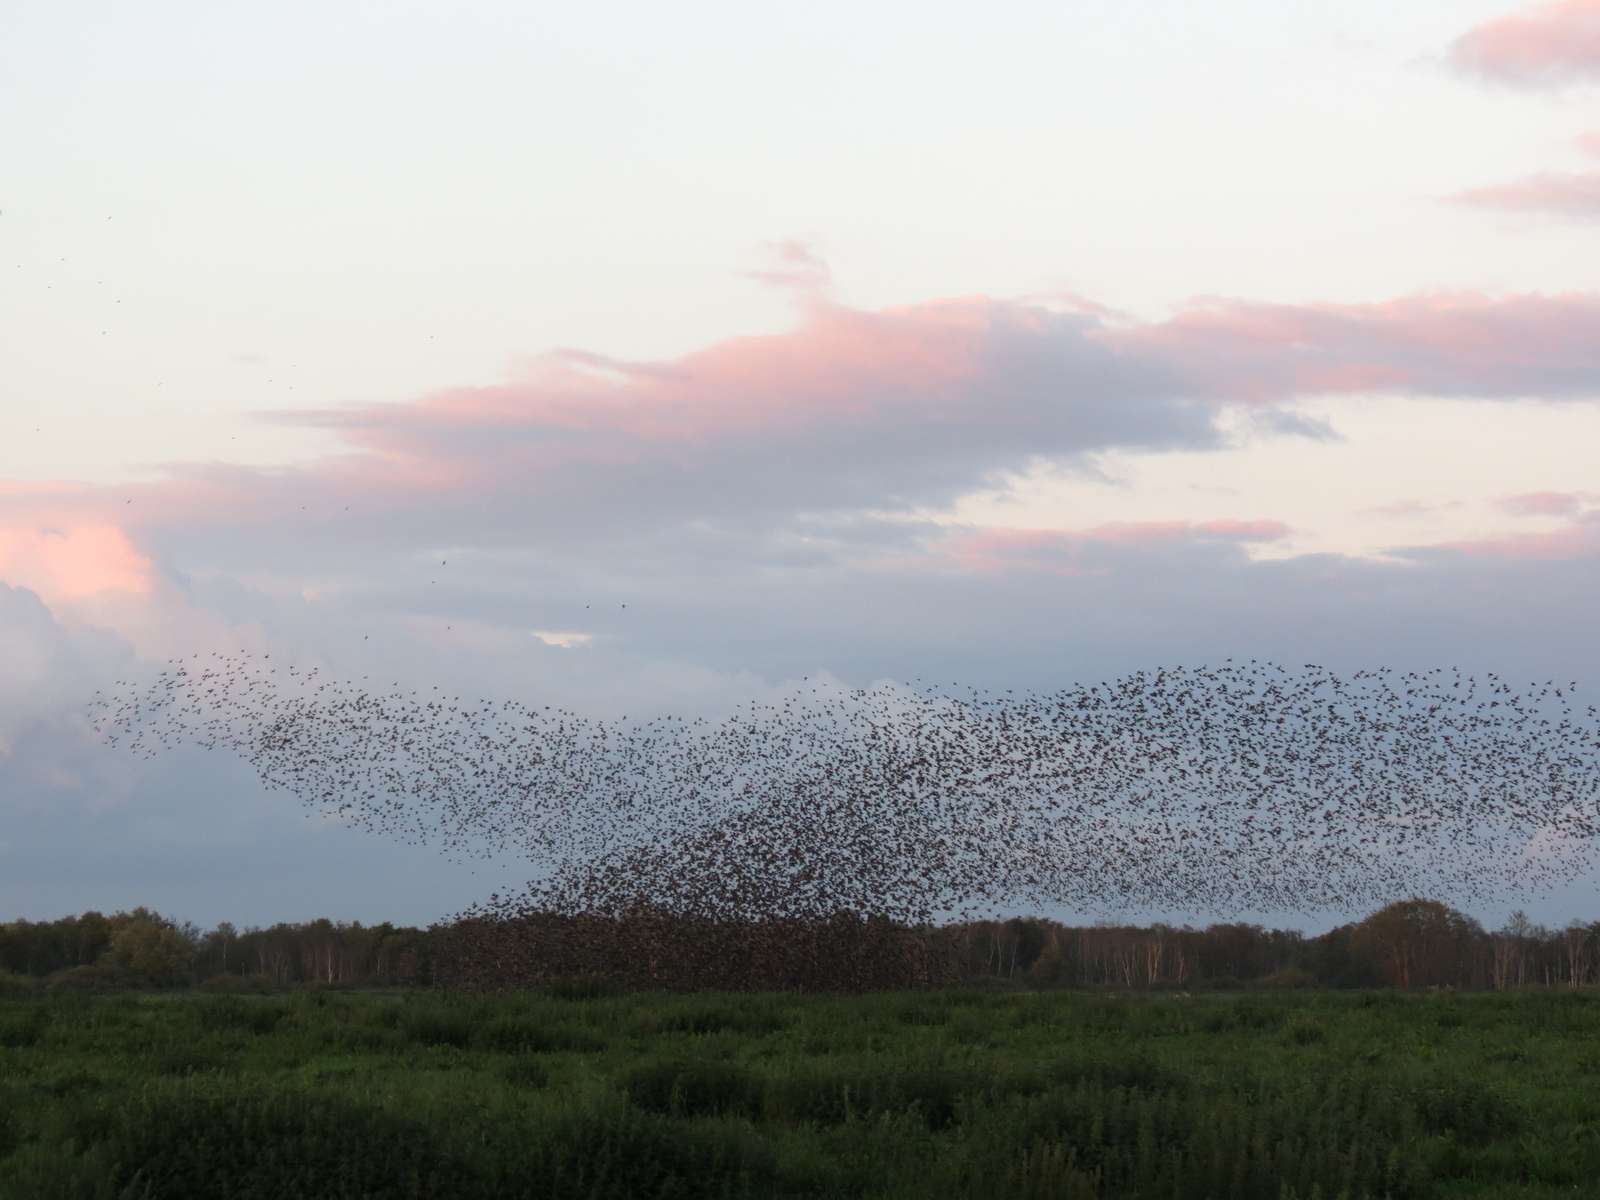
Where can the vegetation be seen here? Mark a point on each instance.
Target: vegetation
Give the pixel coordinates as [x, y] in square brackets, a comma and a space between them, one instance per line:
[572, 1092]
[94, 952]
[1409, 944]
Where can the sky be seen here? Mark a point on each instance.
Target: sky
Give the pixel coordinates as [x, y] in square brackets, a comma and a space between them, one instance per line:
[1025, 349]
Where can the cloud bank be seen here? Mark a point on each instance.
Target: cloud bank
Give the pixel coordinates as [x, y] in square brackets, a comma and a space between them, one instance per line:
[1546, 45]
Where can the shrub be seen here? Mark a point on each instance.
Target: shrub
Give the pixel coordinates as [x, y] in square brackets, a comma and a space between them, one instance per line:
[357, 1038]
[1286, 978]
[232, 1014]
[189, 1059]
[825, 1097]
[251, 1146]
[13, 985]
[722, 1018]
[694, 1088]
[583, 987]
[238, 985]
[1242, 1014]
[1050, 1171]
[922, 1013]
[1307, 1033]
[94, 977]
[631, 1155]
[23, 1027]
[10, 1127]
[436, 1027]
[1134, 1071]
[1465, 1108]
[526, 1072]
[521, 1035]
[71, 1083]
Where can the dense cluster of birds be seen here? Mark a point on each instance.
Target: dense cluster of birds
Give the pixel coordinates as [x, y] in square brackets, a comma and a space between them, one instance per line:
[1243, 786]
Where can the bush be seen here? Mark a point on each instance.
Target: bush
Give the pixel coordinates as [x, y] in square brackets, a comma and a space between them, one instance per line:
[23, 1027]
[693, 1088]
[525, 1073]
[13, 985]
[436, 1027]
[238, 985]
[1464, 1108]
[1134, 1072]
[231, 1014]
[95, 977]
[721, 1018]
[922, 1013]
[189, 1059]
[522, 1035]
[630, 1155]
[584, 987]
[10, 1130]
[832, 1097]
[198, 1142]
[1307, 1033]
[1243, 1014]
[1286, 978]
[358, 1038]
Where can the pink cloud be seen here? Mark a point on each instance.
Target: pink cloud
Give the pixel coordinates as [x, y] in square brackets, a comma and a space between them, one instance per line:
[1579, 538]
[1465, 344]
[794, 264]
[896, 401]
[73, 563]
[840, 365]
[1565, 194]
[1544, 504]
[850, 411]
[1166, 531]
[1589, 142]
[976, 368]
[1548, 44]
[1574, 541]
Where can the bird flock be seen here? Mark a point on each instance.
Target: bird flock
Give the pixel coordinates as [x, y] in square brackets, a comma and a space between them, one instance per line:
[1241, 786]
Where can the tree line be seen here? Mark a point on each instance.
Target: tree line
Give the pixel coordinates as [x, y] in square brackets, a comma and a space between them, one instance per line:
[144, 948]
[1413, 943]
[1409, 944]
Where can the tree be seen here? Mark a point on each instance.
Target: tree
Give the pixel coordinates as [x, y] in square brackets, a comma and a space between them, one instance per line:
[152, 947]
[1421, 942]
[224, 934]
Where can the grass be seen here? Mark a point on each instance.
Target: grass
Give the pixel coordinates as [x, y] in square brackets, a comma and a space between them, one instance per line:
[574, 1092]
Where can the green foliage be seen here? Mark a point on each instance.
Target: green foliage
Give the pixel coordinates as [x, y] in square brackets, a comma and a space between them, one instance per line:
[529, 1035]
[22, 1026]
[582, 987]
[694, 1088]
[1288, 977]
[237, 985]
[1464, 1108]
[1263, 1096]
[203, 1141]
[627, 1155]
[525, 1072]
[94, 977]
[722, 1018]
[229, 1014]
[13, 985]
[437, 1027]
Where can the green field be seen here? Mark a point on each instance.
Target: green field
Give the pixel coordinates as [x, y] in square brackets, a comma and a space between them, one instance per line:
[568, 1094]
